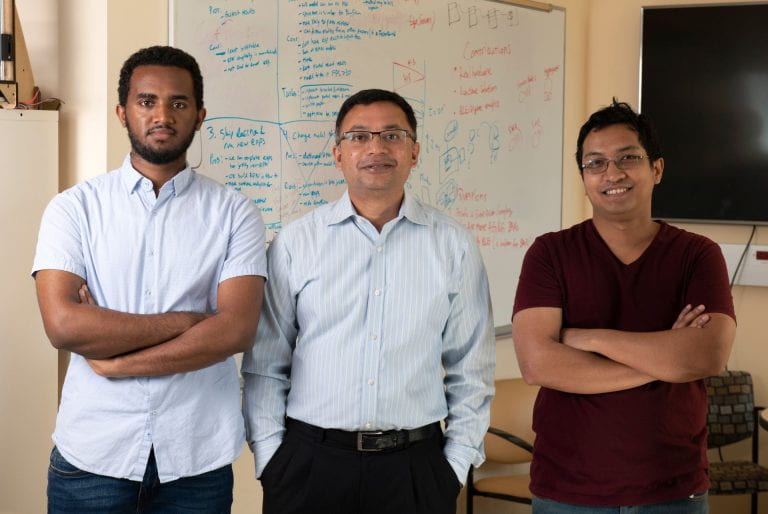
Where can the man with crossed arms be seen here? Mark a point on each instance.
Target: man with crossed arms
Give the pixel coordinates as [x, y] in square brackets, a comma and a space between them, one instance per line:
[174, 263]
[620, 420]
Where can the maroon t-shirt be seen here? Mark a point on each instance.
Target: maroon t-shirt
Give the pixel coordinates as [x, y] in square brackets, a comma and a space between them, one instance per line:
[642, 445]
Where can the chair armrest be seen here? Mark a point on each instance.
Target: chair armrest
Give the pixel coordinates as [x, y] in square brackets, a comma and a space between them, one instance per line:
[511, 438]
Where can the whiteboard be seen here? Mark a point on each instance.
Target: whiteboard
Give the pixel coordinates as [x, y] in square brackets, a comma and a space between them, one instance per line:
[485, 80]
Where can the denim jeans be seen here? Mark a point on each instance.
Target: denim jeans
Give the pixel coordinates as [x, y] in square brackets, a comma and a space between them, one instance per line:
[73, 491]
[694, 504]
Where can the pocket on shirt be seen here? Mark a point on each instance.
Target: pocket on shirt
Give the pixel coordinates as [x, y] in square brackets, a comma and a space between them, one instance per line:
[61, 467]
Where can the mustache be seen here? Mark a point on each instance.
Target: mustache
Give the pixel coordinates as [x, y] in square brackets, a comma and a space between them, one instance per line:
[162, 127]
[377, 161]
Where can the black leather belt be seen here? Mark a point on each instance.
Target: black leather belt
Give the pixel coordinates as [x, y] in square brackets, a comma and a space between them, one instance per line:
[374, 441]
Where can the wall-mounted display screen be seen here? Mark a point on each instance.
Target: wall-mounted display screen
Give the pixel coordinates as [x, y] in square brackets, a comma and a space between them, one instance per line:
[704, 84]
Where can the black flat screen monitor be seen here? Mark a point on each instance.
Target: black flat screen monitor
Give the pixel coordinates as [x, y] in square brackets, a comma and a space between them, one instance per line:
[704, 84]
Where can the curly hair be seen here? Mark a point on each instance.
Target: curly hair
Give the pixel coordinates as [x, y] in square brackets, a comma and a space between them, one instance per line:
[160, 56]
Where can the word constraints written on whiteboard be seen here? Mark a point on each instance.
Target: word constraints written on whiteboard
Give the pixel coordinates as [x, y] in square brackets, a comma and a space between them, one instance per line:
[485, 80]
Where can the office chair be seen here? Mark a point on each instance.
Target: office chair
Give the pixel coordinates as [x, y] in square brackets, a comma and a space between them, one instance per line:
[508, 441]
[732, 418]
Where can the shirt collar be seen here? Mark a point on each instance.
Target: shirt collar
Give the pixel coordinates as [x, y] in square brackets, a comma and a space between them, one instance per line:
[132, 179]
[341, 210]
[411, 209]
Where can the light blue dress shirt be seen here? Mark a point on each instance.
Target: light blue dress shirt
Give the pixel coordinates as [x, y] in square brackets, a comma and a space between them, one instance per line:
[143, 254]
[362, 330]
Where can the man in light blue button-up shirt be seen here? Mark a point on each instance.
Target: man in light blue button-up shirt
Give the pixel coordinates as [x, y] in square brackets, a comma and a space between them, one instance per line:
[152, 277]
[376, 327]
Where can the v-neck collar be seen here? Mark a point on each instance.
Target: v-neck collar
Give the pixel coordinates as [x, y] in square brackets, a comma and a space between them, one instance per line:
[654, 242]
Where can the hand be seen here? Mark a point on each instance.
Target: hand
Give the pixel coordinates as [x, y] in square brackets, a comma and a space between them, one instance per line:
[575, 338]
[693, 317]
[102, 367]
[85, 295]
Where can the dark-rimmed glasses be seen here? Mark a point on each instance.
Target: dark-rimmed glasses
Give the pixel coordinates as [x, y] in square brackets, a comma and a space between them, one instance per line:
[388, 137]
[624, 162]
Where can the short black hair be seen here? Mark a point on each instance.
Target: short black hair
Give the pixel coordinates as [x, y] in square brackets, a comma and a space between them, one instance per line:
[160, 56]
[369, 96]
[620, 113]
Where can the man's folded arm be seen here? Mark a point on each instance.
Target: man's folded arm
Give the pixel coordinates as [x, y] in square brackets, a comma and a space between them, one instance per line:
[678, 355]
[546, 362]
[230, 330]
[96, 332]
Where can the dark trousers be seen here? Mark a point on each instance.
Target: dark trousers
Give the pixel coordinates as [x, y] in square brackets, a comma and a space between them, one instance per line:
[309, 475]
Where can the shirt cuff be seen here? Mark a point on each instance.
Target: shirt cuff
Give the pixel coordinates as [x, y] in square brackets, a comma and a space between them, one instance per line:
[263, 452]
[460, 458]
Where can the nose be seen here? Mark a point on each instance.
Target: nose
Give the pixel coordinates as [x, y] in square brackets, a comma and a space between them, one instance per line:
[613, 172]
[375, 144]
[163, 113]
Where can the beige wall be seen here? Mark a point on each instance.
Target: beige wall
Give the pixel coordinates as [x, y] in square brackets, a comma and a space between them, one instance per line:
[602, 60]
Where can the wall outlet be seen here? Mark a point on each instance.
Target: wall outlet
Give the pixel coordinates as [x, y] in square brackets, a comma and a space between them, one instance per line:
[754, 269]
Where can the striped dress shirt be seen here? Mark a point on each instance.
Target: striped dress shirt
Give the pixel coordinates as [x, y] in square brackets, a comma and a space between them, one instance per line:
[368, 330]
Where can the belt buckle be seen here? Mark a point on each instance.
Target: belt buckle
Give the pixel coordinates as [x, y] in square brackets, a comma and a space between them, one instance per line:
[361, 436]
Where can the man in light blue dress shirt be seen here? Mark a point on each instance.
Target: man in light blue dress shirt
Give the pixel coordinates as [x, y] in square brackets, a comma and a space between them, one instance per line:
[376, 326]
[152, 276]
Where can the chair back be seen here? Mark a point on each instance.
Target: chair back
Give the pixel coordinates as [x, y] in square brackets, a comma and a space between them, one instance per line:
[512, 412]
[731, 415]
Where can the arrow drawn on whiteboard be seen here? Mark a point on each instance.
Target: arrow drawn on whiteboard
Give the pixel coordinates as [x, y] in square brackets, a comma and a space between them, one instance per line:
[294, 204]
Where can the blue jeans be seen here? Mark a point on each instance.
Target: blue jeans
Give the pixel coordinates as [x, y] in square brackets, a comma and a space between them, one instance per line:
[694, 504]
[73, 491]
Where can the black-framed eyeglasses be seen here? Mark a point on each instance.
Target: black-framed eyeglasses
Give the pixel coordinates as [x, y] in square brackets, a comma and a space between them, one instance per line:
[624, 162]
[388, 137]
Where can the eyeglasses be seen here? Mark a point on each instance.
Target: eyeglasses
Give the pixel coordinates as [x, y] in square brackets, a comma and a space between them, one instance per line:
[391, 137]
[623, 162]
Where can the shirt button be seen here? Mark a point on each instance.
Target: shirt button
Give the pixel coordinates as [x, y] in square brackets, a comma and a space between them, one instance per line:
[368, 425]
[374, 337]
[379, 249]
[370, 381]
[148, 292]
[377, 292]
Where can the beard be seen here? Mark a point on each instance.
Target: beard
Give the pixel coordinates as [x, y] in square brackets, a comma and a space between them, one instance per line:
[158, 156]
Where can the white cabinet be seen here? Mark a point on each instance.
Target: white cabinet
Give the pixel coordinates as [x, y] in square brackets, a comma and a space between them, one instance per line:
[29, 164]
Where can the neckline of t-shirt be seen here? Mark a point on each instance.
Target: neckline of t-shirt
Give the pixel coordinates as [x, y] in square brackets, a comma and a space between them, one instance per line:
[643, 256]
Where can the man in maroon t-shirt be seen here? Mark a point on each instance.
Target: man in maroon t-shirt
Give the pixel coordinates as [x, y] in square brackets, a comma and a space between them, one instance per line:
[604, 322]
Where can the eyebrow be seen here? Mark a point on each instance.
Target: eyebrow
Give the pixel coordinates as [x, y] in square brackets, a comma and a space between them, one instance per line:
[152, 96]
[622, 149]
[365, 127]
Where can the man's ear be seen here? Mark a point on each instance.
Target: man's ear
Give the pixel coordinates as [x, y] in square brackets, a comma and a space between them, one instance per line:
[200, 117]
[120, 111]
[415, 154]
[337, 156]
[658, 170]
